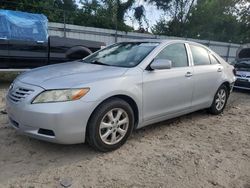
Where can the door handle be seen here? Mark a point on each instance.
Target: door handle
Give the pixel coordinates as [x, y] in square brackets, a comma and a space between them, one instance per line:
[219, 69]
[188, 74]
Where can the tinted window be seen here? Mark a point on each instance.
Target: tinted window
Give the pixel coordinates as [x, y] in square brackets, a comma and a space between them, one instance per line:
[213, 59]
[176, 53]
[200, 55]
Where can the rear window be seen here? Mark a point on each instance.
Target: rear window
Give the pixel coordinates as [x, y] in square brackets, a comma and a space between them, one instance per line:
[213, 59]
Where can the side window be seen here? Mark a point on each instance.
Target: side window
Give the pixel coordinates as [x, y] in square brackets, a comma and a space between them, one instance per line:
[200, 55]
[213, 59]
[176, 53]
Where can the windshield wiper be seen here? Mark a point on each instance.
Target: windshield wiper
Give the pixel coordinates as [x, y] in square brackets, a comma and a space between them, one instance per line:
[99, 63]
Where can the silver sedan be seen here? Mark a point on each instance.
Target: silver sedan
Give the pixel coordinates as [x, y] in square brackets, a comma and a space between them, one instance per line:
[123, 87]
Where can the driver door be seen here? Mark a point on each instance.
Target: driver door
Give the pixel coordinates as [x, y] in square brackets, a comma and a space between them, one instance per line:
[4, 43]
[169, 91]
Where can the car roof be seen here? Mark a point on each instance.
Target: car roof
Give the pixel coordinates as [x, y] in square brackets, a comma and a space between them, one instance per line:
[164, 41]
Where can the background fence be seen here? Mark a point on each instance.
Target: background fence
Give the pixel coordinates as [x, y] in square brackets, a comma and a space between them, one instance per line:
[109, 36]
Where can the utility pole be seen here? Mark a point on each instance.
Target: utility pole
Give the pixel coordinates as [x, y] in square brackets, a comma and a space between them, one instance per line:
[64, 20]
[64, 24]
[116, 27]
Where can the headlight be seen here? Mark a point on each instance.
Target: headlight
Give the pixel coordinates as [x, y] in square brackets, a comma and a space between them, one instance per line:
[60, 95]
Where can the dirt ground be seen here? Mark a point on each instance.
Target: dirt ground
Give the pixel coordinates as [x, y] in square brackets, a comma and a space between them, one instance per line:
[196, 150]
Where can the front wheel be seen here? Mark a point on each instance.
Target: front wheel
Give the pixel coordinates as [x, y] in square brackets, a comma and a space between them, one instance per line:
[110, 125]
[220, 100]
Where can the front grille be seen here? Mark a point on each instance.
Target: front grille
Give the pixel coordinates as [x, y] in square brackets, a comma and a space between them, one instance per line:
[240, 83]
[240, 76]
[19, 93]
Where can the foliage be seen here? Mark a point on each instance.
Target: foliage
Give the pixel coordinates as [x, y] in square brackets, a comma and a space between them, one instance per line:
[96, 13]
[139, 15]
[53, 9]
[218, 20]
[175, 9]
[104, 14]
[222, 20]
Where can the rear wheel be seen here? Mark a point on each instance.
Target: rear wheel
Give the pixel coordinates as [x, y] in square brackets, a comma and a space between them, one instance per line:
[220, 100]
[110, 125]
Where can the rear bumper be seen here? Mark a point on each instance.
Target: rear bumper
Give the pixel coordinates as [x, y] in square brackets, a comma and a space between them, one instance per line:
[63, 123]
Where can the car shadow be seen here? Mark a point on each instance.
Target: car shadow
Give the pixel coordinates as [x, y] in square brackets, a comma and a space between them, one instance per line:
[237, 90]
[173, 122]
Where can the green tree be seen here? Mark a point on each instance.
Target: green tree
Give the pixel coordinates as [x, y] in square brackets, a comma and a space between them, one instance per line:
[220, 20]
[96, 13]
[53, 9]
[243, 10]
[103, 13]
[139, 15]
[176, 13]
[214, 20]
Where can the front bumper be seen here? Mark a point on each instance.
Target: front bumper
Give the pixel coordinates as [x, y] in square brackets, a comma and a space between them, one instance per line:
[66, 120]
[242, 83]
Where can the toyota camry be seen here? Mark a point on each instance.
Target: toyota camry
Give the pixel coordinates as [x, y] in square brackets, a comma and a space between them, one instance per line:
[104, 97]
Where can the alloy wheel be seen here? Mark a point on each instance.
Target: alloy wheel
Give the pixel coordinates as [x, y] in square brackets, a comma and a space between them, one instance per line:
[220, 100]
[114, 126]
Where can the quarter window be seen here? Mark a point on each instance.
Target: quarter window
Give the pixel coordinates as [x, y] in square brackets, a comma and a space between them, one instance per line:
[213, 59]
[175, 53]
[200, 55]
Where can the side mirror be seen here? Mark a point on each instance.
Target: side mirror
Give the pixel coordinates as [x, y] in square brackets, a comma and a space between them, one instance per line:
[159, 64]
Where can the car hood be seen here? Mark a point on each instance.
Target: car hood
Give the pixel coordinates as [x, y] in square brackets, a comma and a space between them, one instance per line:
[68, 75]
[243, 52]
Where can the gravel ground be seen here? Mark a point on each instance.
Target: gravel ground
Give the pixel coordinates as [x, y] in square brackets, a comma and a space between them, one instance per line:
[196, 150]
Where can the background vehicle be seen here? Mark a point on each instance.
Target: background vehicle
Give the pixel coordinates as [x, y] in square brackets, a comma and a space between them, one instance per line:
[242, 67]
[24, 42]
[115, 90]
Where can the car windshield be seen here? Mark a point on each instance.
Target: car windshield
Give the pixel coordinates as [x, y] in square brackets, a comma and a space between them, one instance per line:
[243, 65]
[128, 54]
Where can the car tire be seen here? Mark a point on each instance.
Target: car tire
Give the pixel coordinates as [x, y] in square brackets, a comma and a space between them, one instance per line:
[220, 100]
[110, 125]
[77, 52]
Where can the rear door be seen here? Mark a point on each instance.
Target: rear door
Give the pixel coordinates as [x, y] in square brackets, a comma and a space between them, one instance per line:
[207, 76]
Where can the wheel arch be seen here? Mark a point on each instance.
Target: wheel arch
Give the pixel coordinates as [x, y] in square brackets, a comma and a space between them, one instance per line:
[127, 99]
[227, 84]
[78, 51]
